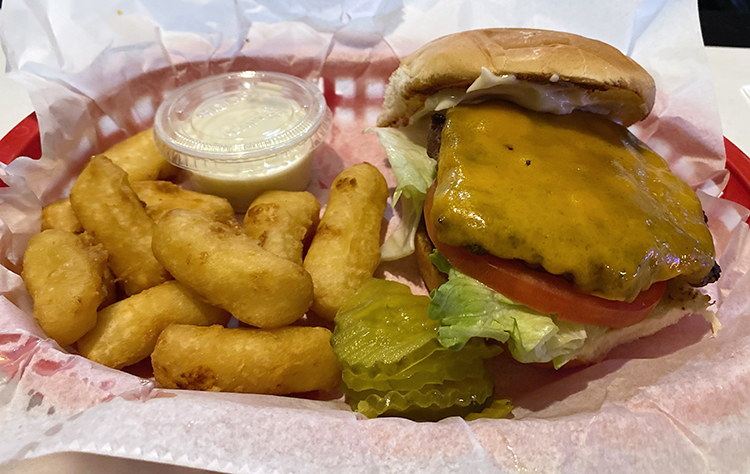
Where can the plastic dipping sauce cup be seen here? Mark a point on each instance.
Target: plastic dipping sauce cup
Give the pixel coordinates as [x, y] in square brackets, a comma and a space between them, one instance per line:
[240, 134]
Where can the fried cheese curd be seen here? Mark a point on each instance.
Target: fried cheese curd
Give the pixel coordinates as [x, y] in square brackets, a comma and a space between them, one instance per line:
[346, 248]
[282, 222]
[65, 279]
[270, 361]
[126, 332]
[230, 270]
[140, 158]
[161, 197]
[60, 215]
[110, 211]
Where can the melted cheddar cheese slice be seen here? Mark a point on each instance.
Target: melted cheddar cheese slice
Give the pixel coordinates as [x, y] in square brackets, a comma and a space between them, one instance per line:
[576, 195]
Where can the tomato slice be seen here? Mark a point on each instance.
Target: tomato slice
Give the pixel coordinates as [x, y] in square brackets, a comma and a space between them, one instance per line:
[543, 291]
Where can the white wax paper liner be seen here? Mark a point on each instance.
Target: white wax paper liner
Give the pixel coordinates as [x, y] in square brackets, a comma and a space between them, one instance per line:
[674, 402]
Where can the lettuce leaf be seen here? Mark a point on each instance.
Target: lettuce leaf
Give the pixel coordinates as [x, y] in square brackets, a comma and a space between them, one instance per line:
[467, 308]
[415, 172]
[440, 262]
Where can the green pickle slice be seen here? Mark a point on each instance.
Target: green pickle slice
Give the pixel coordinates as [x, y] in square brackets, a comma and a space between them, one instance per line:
[392, 364]
[498, 409]
[444, 364]
[435, 400]
[365, 327]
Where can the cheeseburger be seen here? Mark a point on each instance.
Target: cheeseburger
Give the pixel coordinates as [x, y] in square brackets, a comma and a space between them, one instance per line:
[549, 226]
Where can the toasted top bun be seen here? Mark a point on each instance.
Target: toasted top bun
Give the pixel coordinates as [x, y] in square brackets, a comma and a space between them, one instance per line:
[622, 87]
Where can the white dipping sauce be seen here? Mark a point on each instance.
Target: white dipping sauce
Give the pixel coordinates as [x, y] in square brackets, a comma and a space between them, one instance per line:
[255, 114]
[241, 189]
[241, 134]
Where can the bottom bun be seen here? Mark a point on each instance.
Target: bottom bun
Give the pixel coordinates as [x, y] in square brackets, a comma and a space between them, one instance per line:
[679, 300]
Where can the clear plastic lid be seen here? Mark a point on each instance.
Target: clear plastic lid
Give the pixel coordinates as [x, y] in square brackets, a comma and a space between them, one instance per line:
[231, 122]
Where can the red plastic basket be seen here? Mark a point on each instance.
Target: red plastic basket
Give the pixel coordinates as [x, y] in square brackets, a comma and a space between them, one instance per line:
[22, 140]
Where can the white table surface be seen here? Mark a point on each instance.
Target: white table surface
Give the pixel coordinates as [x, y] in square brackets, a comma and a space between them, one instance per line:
[730, 68]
